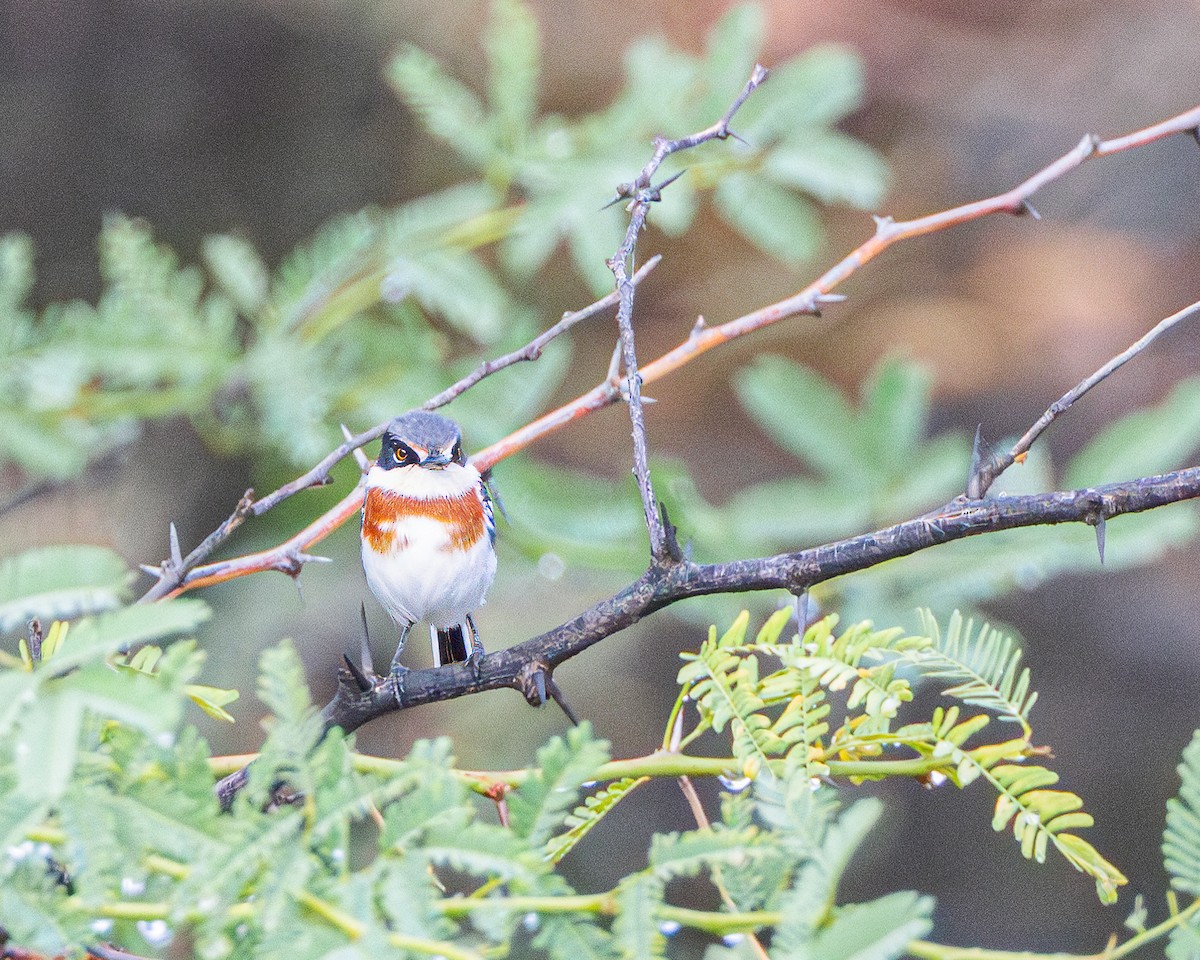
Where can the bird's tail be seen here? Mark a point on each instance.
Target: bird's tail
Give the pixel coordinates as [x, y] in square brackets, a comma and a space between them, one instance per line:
[450, 645]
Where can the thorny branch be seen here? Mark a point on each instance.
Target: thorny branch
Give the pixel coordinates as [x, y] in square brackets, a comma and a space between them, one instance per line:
[518, 667]
[643, 194]
[178, 573]
[529, 665]
[985, 472]
[701, 339]
[659, 587]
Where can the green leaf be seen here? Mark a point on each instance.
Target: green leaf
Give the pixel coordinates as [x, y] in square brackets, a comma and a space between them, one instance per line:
[985, 667]
[513, 50]
[830, 166]
[456, 287]
[804, 414]
[879, 930]
[591, 812]
[448, 110]
[687, 854]
[239, 271]
[773, 219]
[635, 927]
[212, 700]
[1184, 942]
[16, 282]
[817, 88]
[574, 937]
[98, 636]
[1181, 839]
[59, 583]
[732, 49]
[282, 686]
[539, 805]
[896, 409]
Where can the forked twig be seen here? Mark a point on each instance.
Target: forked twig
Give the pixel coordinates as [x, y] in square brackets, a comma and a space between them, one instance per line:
[703, 338]
[643, 193]
[989, 468]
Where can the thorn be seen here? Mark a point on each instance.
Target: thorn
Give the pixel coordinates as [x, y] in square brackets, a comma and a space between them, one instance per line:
[150, 570]
[735, 136]
[1100, 525]
[699, 326]
[360, 678]
[830, 298]
[558, 698]
[311, 558]
[176, 554]
[657, 191]
[975, 473]
[1027, 208]
[800, 602]
[882, 223]
[624, 192]
[671, 534]
[539, 686]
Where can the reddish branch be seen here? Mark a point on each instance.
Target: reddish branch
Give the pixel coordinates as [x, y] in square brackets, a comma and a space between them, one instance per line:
[700, 340]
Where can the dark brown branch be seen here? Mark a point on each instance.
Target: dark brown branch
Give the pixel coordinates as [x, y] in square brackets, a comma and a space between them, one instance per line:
[796, 572]
[987, 469]
[521, 667]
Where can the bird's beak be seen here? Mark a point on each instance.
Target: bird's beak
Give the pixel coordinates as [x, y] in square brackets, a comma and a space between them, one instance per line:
[437, 458]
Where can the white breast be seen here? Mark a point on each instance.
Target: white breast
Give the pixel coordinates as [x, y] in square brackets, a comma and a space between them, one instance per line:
[421, 579]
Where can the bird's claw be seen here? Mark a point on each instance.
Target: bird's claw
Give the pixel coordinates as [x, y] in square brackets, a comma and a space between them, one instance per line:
[396, 678]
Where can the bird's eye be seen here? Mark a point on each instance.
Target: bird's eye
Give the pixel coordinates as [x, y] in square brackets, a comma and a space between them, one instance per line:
[404, 453]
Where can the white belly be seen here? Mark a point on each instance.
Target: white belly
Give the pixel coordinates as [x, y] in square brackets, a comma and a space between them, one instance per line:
[422, 580]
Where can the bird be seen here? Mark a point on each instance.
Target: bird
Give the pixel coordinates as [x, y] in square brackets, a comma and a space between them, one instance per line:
[428, 536]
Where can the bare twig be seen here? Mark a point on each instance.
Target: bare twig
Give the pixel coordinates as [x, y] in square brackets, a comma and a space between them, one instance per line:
[643, 193]
[173, 578]
[703, 338]
[633, 381]
[809, 300]
[987, 469]
[533, 349]
[172, 571]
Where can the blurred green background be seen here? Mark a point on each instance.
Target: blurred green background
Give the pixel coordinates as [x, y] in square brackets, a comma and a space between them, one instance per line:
[266, 119]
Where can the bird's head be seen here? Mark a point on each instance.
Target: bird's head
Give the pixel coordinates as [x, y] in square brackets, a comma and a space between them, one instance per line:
[421, 439]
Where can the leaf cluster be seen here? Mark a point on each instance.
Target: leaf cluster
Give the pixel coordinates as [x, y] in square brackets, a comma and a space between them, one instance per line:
[780, 721]
[562, 169]
[112, 832]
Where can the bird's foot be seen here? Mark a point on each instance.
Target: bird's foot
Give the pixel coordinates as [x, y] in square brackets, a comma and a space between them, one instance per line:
[396, 677]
